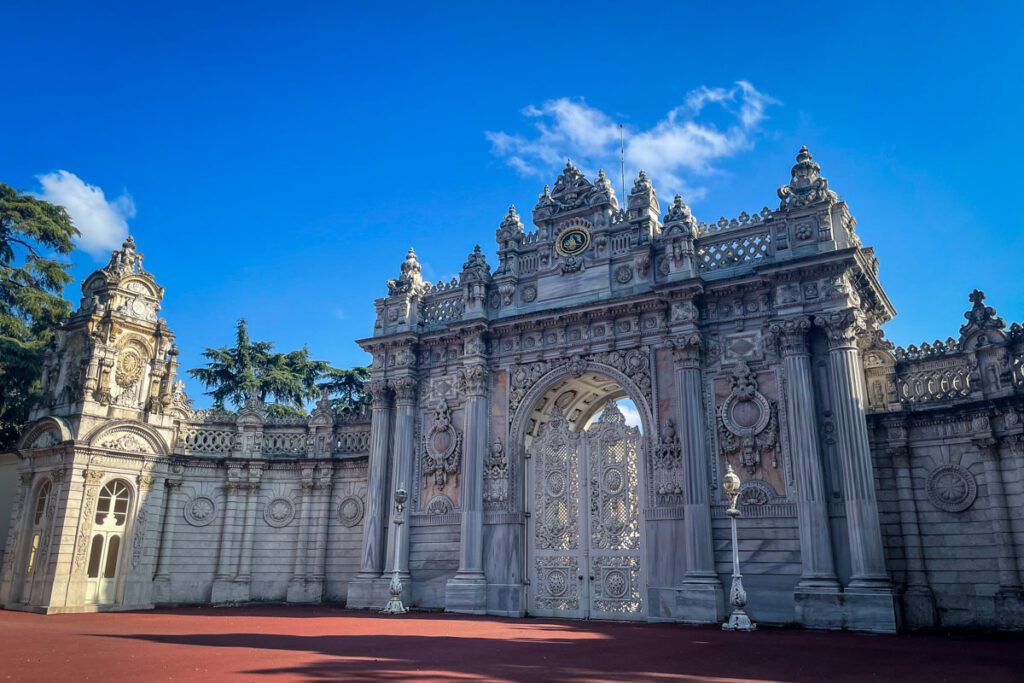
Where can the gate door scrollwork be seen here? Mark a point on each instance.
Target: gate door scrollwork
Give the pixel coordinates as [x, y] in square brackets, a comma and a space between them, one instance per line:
[585, 539]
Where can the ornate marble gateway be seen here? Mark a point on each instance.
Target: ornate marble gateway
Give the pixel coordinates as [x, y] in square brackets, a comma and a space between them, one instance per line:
[560, 420]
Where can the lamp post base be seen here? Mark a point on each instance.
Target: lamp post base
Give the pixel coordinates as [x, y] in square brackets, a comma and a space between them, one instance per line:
[739, 621]
[395, 605]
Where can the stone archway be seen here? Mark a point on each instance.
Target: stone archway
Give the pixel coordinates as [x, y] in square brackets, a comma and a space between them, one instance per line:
[584, 492]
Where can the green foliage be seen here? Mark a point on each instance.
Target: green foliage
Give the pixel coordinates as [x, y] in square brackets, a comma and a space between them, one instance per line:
[349, 390]
[286, 381]
[32, 231]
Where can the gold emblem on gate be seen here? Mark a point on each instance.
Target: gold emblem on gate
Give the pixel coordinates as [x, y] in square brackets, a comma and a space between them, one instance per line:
[573, 241]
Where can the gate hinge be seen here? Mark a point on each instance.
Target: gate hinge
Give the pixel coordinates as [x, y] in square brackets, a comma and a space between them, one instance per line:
[526, 582]
[526, 456]
[526, 515]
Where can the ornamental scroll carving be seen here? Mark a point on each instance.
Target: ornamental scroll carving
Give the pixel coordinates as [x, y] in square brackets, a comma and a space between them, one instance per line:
[668, 466]
[496, 477]
[634, 363]
[442, 446]
[747, 422]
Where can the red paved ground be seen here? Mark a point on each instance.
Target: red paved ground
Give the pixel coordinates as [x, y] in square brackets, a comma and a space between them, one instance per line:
[323, 643]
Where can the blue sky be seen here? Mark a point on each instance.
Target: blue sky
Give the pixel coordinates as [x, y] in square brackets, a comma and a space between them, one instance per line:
[275, 160]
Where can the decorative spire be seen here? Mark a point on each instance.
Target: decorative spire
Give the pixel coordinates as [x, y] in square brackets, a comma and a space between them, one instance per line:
[980, 317]
[642, 184]
[126, 261]
[511, 228]
[476, 260]
[806, 185]
[679, 215]
[410, 279]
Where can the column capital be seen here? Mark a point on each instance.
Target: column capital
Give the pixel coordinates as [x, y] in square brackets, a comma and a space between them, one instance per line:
[686, 349]
[380, 395]
[841, 327]
[473, 379]
[790, 334]
[92, 477]
[405, 389]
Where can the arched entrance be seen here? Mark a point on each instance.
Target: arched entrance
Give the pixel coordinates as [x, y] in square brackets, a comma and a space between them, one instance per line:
[584, 495]
[105, 549]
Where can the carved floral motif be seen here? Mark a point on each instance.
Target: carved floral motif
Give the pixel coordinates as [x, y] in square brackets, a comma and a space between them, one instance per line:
[747, 422]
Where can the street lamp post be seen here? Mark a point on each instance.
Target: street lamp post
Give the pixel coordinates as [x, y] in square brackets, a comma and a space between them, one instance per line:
[738, 619]
[395, 605]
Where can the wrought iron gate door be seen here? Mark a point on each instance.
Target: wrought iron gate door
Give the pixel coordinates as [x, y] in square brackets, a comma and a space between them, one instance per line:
[585, 523]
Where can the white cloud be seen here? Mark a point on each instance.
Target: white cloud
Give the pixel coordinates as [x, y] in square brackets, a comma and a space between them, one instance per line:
[631, 414]
[679, 145]
[103, 223]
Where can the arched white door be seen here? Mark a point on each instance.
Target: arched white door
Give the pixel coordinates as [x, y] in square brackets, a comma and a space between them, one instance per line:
[107, 542]
[585, 526]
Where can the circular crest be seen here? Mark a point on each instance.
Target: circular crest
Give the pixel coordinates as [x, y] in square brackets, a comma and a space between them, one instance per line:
[350, 511]
[623, 274]
[129, 368]
[279, 512]
[616, 583]
[529, 294]
[951, 488]
[572, 241]
[200, 511]
[746, 416]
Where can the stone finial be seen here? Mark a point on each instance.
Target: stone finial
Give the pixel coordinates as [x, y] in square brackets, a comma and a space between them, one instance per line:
[642, 184]
[679, 215]
[806, 185]
[511, 228]
[477, 261]
[126, 261]
[980, 317]
[411, 279]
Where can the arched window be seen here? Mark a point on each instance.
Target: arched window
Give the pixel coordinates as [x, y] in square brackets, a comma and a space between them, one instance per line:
[38, 521]
[112, 507]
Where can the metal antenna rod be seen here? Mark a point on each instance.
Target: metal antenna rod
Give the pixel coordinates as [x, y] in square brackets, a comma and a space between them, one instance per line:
[622, 164]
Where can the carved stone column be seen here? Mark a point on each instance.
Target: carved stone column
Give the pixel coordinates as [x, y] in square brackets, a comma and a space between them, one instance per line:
[325, 485]
[162, 577]
[999, 515]
[918, 600]
[817, 592]
[700, 596]
[466, 592]
[252, 494]
[223, 580]
[300, 561]
[361, 592]
[11, 576]
[869, 597]
[402, 474]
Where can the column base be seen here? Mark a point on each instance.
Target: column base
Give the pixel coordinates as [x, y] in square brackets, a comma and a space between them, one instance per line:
[1009, 609]
[305, 590]
[819, 604]
[700, 600]
[162, 589]
[919, 608]
[869, 609]
[367, 592]
[466, 594]
[229, 590]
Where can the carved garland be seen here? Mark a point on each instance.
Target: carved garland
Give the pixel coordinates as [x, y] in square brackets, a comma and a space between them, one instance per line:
[747, 423]
[442, 445]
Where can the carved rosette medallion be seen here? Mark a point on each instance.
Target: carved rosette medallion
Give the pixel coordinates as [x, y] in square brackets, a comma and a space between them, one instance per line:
[350, 511]
[442, 446]
[279, 512]
[129, 368]
[747, 422]
[951, 488]
[200, 511]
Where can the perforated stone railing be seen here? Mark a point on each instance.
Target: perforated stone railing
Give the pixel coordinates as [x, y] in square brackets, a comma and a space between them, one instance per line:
[744, 247]
[443, 310]
[284, 443]
[352, 439]
[206, 439]
[926, 350]
[930, 383]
